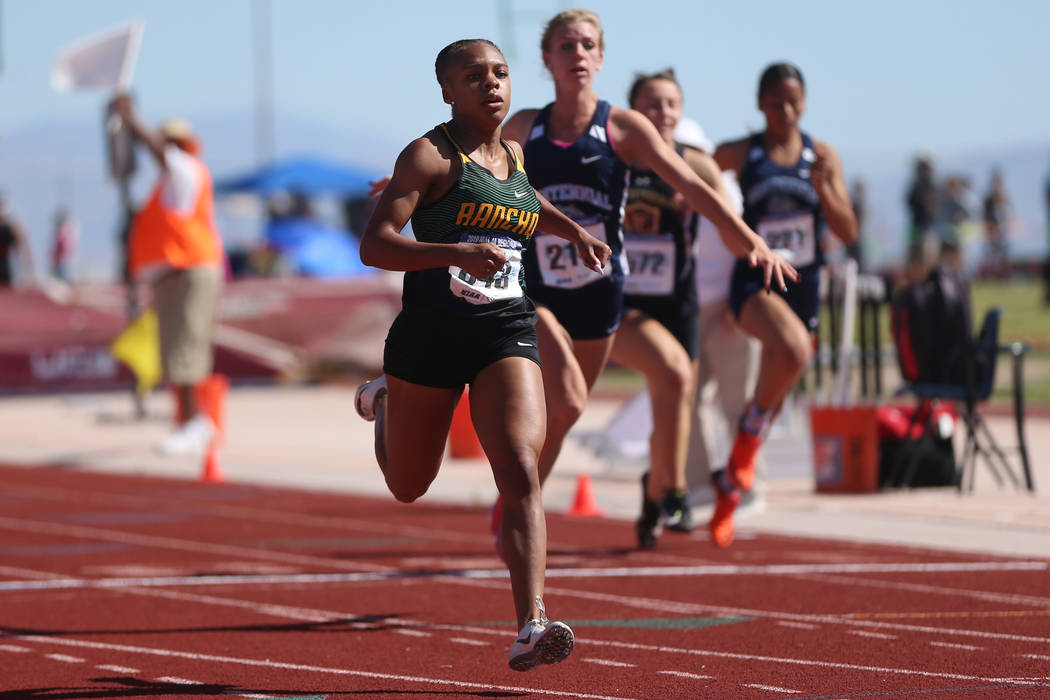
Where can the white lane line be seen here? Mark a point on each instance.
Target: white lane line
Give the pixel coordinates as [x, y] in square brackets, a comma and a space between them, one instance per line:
[873, 635]
[683, 674]
[1039, 657]
[388, 574]
[177, 681]
[413, 633]
[771, 688]
[117, 669]
[258, 514]
[1008, 598]
[797, 625]
[949, 645]
[655, 604]
[14, 648]
[124, 537]
[780, 660]
[471, 642]
[608, 662]
[267, 663]
[65, 658]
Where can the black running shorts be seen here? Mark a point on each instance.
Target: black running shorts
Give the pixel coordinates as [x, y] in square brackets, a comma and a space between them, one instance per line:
[445, 352]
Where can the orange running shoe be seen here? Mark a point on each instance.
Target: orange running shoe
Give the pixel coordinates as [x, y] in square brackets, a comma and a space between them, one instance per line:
[742, 460]
[721, 525]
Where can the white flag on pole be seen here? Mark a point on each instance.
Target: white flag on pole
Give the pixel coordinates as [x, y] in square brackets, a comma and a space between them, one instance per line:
[104, 61]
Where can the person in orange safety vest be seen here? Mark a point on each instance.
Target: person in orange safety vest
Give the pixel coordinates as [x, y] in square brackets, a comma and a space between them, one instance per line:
[175, 247]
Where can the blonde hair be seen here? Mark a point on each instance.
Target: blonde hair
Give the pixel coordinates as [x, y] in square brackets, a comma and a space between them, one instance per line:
[572, 17]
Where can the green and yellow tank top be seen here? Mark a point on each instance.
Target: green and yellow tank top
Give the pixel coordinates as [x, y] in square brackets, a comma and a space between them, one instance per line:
[479, 208]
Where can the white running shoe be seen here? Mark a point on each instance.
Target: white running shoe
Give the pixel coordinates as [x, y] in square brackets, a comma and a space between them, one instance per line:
[541, 642]
[367, 393]
[193, 436]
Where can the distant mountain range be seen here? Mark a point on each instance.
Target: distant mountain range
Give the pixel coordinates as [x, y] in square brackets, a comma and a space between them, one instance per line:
[52, 164]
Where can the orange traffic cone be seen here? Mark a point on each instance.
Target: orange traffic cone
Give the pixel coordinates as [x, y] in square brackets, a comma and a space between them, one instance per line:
[463, 442]
[212, 473]
[584, 505]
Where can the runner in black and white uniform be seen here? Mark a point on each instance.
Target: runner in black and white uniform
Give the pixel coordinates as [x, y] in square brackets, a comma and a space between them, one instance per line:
[659, 335]
[465, 319]
[575, 332]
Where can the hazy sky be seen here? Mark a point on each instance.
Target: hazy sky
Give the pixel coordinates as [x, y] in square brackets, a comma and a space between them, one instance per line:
[892, 74]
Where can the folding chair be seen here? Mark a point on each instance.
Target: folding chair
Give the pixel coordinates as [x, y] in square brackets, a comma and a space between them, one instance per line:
[977, 385]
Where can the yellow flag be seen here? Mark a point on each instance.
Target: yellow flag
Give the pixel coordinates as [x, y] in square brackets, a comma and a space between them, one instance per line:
[138, 346]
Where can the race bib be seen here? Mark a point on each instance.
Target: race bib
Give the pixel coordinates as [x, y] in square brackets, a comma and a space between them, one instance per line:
[651, 262]
[502, 285]
[792, 237]
[560, 264]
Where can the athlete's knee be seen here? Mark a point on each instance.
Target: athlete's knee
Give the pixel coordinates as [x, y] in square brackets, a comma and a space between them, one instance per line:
[564, 413]
[672, 381]
[407, 491]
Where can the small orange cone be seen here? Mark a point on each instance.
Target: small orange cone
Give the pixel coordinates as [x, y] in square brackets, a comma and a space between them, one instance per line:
[463, 442]
[584, 505]
[212, 473]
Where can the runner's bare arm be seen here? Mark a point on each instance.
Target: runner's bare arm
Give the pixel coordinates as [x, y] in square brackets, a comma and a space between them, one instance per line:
[830, 184]
[639, 141]
[418, 169]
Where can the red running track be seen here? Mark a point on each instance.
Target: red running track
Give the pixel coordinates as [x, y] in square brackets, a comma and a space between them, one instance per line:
[126, 587]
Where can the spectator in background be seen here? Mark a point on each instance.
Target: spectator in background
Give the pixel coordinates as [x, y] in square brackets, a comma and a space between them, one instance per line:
[1046, 265]
[923, 211]
[64, 244]
[13, 243]
[859, 199]
[997, 212]
[175, 246]
[956, 220]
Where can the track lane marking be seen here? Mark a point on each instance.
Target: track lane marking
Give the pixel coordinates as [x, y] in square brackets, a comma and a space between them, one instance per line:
[117, 669]
[175, 680]
[387, 573]
[797, 625]
[611, 643]
[608, 662]
[267, 663]
[991, 596]
[771, 688]
[949, 645]
[873, 635]
[683, 674]
[123, 537]
[14, 648]
[65, 658]
[470, 642]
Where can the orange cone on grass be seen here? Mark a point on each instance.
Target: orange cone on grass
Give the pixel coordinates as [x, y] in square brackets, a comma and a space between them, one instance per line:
[584, 504]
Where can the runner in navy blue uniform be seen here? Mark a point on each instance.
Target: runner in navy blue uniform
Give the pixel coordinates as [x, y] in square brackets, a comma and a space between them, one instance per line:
[793, 189]
[660, 329]
[578, 148]
[466, 320]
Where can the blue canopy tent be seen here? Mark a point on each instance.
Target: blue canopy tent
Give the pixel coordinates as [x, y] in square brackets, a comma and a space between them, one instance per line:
[310, 246]
[307, 174]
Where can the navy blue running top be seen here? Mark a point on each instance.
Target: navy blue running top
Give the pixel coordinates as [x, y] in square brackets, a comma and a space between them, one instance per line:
[585, 180]
[782, 206]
